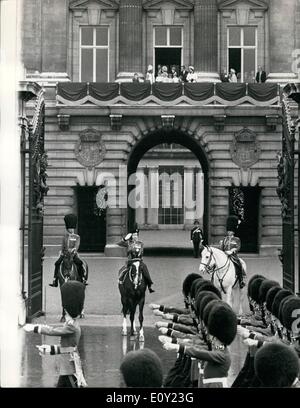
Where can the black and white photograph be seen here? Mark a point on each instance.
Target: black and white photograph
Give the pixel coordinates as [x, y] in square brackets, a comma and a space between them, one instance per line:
[149, 197]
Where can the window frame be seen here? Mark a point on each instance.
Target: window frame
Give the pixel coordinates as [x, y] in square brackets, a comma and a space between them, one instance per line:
[94, 47]
[242, 47]
[168, 40]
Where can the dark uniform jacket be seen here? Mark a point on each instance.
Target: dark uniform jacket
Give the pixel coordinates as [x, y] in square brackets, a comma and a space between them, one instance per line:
[196, 234]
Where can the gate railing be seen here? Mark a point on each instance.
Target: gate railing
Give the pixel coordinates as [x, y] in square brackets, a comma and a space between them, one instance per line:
[37, 190]
[286, 190]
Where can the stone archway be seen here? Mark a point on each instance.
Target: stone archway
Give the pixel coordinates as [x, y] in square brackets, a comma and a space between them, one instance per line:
[177, 136]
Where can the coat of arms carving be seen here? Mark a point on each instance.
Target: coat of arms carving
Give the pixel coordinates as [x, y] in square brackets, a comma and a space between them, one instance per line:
[90, 149]
[245, 150]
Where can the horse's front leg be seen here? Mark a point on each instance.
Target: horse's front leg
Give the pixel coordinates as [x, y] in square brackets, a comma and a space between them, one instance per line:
[141, 320]
[132, 313]
[228, 296]
[124, 326]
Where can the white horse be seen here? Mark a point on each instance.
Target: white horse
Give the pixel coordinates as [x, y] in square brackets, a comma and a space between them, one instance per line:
[222, 270]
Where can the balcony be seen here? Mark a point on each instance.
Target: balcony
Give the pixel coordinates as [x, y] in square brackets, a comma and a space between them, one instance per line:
[71, 94]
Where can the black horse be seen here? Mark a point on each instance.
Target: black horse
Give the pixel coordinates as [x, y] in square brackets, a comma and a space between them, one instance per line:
[132, 291]
[68, 271]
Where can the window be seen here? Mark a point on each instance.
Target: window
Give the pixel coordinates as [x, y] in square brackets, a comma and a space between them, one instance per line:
[94, 54]
[242, 50]
[168, 46]
[171, 211]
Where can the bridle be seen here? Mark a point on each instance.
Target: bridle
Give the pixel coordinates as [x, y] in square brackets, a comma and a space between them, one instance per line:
[212, 269]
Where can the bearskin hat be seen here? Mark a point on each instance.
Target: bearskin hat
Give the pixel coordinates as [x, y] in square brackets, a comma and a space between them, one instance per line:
[203, 297]
[187, 283]
[195, 285]
[281, 306]
[283, 293]
[208, 286]
[276, 365]
[254, 288]
[251, 280]
[222, 323]
[70, 221]
[272, 292]
[232, 223]
[72, 294]
[207, 309]
[263, 289]
[288, 317]
[142, 368]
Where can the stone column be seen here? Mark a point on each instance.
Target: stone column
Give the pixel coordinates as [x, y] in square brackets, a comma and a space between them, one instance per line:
[206, 40]
[199, 196]
[140, 211]
[153, 197]
[130, 39]
[282, 17]
[189, 203]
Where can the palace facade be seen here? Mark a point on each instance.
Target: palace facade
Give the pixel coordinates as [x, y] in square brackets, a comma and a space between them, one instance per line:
[219, 139]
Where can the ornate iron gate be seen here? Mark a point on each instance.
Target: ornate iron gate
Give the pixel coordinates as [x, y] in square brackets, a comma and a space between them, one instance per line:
[37, 165]
[285, 192]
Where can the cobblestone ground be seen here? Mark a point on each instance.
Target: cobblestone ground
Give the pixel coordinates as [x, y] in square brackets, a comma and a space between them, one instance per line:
[102, 346]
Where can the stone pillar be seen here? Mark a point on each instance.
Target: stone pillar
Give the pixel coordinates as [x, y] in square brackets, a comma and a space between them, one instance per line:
[199, 196]
[130, 39]
[140, 211]
[153, 197]
[282, 17]
[206, 40]
[189, 203]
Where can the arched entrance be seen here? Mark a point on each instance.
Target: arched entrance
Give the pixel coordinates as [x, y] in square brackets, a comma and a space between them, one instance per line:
[159, 137]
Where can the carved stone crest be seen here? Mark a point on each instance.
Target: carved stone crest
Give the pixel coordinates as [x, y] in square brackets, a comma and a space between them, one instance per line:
[245, 150]
[90, 150]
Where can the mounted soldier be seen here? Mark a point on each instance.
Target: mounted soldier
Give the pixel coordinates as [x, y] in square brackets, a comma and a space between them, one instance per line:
[196, 238]
[231, 246]
[135, 251]
[70, 245]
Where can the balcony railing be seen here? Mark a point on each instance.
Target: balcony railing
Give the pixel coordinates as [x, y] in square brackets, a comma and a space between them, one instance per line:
[199, 94]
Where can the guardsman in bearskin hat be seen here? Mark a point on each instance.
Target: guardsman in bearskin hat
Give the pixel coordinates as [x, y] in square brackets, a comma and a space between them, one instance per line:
[277, 365]
[70, 370]
[142, 368]
[196, 238]
[222, 327]
[231, 246]
[135, 251]
[70, 243]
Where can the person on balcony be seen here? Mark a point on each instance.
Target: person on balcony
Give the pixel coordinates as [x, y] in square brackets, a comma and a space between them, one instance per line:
[191, 76]
[261, 76]
[183, 74]
[136, 78]
[150, 75]
[232, 75]
[224, 75]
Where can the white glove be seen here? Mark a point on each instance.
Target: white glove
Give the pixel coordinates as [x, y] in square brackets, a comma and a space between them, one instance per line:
[164, 339]
[158, 313]
[228, 252]
[243, 332]
[44, 349]
[250, 342]
[161, 324]
[29, 327]
[153, 306]
[163, 330]
[171, 346]
[128, 236]
[167, 316]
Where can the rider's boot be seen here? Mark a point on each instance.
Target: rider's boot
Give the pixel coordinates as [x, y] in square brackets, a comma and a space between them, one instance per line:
[150, 289]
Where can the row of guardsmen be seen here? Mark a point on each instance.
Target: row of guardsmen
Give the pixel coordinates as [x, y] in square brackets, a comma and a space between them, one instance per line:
[201, 334]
